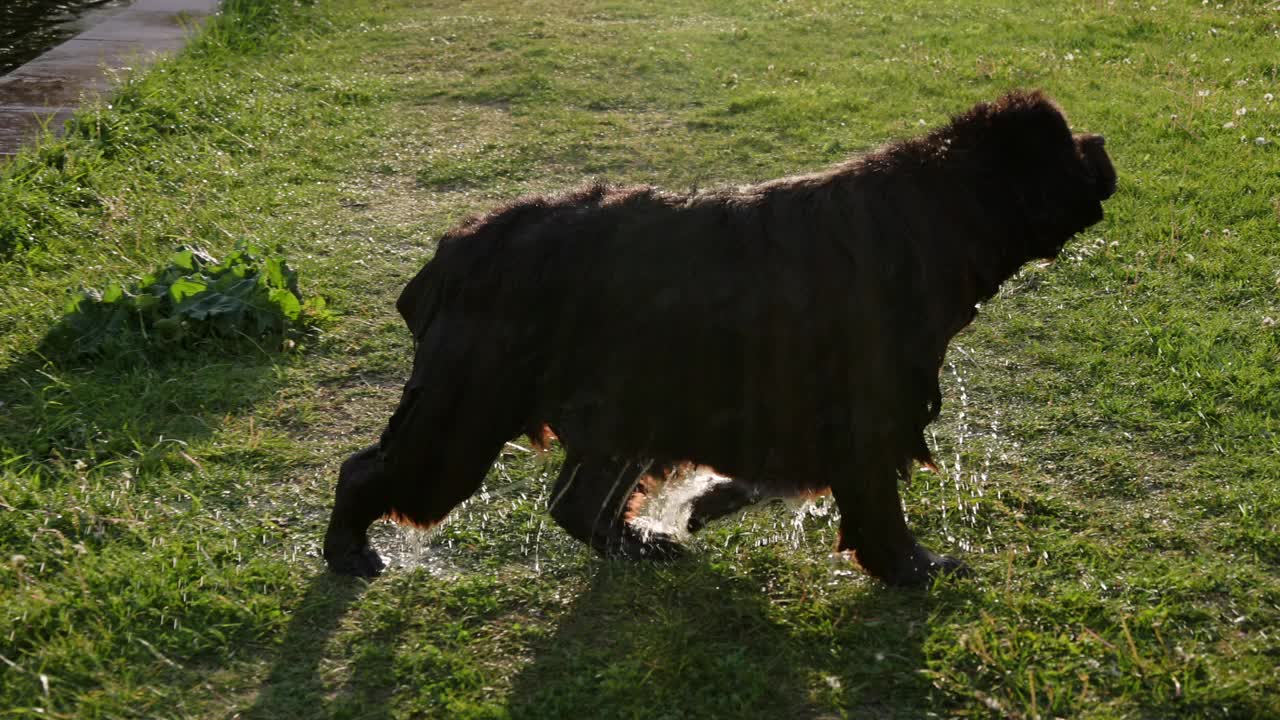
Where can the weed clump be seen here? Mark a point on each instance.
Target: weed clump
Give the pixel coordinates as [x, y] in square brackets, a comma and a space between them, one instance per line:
[194, 298]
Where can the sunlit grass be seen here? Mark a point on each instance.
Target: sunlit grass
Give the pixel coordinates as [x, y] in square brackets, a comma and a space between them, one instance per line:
[1109, 436]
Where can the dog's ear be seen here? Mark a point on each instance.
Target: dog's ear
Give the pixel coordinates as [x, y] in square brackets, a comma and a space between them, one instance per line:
[418, 301]
[1093, 151]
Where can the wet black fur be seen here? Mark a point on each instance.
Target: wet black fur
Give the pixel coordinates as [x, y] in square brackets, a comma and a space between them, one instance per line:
[788, 334]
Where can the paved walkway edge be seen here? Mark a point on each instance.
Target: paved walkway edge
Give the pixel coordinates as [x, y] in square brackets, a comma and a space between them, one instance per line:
[46, 91]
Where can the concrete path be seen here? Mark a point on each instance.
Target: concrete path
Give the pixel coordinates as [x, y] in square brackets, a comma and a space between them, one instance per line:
[45, 91]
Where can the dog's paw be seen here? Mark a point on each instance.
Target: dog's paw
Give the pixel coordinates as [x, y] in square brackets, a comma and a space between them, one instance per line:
[644, 541]
[656, 547]
[923, 566]
[355, 560]
[363, 563]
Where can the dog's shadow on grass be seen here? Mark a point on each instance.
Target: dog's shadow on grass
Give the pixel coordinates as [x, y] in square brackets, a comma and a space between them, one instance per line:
[700, 640]
[143, 403]
[691, 639]
[295, 681]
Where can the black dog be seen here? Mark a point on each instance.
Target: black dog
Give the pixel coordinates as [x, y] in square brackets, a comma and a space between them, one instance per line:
[787, 334]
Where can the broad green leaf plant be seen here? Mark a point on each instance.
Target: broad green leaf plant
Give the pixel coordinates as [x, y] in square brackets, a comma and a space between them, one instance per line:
[249, 294]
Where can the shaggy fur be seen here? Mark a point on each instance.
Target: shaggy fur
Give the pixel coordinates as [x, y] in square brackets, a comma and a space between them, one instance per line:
[787, 334]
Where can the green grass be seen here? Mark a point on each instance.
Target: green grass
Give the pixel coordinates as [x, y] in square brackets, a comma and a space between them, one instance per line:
[1110, 435]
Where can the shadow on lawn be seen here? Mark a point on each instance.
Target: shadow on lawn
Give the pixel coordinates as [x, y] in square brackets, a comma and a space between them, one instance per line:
[697, 641]
[686, 640]
[140, 403]
[294, 686]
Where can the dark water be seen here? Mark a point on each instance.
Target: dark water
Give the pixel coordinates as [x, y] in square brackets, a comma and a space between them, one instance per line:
[29, 27]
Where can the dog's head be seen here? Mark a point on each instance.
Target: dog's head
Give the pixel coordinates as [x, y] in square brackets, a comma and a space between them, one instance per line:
[1066, 195]
[1093, 154]
[1057, 179]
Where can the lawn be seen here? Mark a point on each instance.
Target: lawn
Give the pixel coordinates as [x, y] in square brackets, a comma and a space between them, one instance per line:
[1111, 432]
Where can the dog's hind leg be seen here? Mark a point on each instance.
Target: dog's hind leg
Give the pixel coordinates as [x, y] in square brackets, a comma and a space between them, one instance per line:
[873, 527]
[595, 500]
